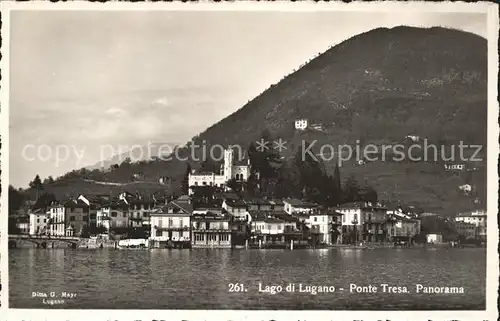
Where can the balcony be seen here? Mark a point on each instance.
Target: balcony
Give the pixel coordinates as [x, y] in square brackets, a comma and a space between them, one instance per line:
[211, 230]
[171, 228]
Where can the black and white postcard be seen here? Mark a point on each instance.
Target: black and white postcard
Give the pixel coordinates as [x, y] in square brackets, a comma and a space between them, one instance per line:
[249, 160]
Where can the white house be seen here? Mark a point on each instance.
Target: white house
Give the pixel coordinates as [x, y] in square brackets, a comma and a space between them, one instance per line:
[171, 222]
[38, 222]
[301, 124]
[113, 215]
[413, 138]
[295, 206]
[434, 238]
[228, 171]
[68, 219]
[466, 188]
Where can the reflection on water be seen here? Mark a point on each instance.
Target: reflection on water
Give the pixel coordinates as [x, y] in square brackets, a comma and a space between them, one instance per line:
[200, 278]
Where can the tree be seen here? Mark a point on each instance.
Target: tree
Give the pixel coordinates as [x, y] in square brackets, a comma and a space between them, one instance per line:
[44, 201]
[36, 184]
[234, 185]
[16, 199]
[126, 162]
[351, 190]
[369, 194]
[185, 180]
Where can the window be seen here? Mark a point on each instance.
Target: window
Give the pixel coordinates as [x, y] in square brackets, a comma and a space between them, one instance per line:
[315, 219]
[204, 183]
[170, 222]
[180, 223]
[279, 227]
[93, 216]
[268, 226]
[85, 218]
[114, 214]
[71, 218]
[145, 214]
[38, 220]
[195, 183]
[323, 218]
[159, 233]
[212, 237]
[343, 218]
[160, 222]
[224, 237]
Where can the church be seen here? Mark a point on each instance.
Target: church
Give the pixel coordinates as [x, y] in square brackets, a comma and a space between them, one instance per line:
[228, 171]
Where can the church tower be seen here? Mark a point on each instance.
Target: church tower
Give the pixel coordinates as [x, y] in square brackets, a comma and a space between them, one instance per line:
[228, 164]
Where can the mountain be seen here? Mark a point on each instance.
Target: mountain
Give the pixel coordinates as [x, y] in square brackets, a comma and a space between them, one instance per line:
[147, 152]
[375, 88]
[378, 86]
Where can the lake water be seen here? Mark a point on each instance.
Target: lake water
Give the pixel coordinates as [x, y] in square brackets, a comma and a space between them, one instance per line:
[201, 278]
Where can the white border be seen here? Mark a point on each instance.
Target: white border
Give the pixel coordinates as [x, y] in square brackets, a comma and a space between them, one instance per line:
[491, 312]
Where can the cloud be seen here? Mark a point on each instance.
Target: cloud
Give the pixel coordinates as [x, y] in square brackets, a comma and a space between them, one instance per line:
[161, 101]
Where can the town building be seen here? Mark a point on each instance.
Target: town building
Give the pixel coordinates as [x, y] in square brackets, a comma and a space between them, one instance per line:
[113, 215]
[170, 224]
[363, 221]
[325, 226]
[38, 222]
[258, 204]
[68, 219]
[294, 206]
[211, 230]
[22, 223]
[402, 228]
[271, 228]
[139, 207]
[229, 170]
[476, 217]
[466, 230]
[434, 238]
[237, 208]
[277, 205]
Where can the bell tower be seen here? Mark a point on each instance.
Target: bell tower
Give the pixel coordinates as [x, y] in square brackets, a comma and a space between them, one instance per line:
[228, 164]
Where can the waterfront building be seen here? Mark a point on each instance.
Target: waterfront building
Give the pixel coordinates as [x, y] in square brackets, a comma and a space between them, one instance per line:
[401, 228]
[295, 206]
[140, 210]
[434, 238]
[170, 224]
[326, 226]
[38, 222]
[22, 223]
[476, 217]
[212, 230]
[273, 228]
[113, 215]
[363, 221]
[68, 219]
[466, 230]
[229, 170]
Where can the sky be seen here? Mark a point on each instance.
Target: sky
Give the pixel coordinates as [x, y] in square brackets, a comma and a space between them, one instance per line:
[88, 84]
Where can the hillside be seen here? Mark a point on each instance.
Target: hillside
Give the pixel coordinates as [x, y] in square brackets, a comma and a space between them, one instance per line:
[376, 87]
